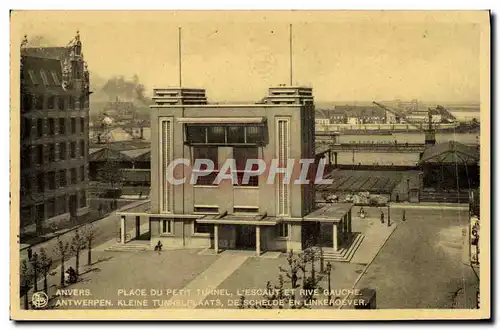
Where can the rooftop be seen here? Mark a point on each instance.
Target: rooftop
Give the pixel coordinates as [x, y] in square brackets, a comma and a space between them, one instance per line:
[331, 213]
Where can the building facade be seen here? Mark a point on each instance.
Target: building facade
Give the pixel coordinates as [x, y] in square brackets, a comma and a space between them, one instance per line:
[54, 135]
[255, 215]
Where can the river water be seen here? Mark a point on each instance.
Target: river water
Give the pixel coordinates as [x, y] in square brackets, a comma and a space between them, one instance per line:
[394, 158]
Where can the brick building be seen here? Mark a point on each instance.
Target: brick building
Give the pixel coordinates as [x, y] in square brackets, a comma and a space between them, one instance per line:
[54, 135]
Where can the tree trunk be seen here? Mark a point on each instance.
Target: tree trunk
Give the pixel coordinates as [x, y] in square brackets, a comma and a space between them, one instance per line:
[89, 254]
[77, 261]
[26, 302]
[62, 272]
[35, 279]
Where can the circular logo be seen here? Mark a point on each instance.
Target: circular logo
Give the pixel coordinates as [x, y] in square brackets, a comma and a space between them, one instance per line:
[39, 299]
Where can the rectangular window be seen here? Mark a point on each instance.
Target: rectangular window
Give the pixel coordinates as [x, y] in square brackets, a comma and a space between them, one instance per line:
[52, 126]
[55, 77]
[62, 125]
[52, 152]
[83, 199]
[61, 205]
[40, 181]
[82, 148]
[203, 228]
[72, 149]
[39, 102]
[62, 103]
[241, 155]
[71, 105]
[25, 216]
[39, 127]
[26, 157]
[82, 173]
[51, 208]
[73, 125]
[39, 154]
[216, 134]
[73, 176]
[34, 81]
[282, 230]
[225, 134]
[62, 178]
[82, 125]
[51, 177]
[236, 134]
[206, 209]
[196, 134]
[44, 77]
[26, 127]
[210, 153]
[51, 100]
[166, 226]
[27, 102]
[245, 209]
[62, 150]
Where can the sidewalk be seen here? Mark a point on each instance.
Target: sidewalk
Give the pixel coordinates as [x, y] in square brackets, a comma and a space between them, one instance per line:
[210, 279]
[53, 281]
[375, 237]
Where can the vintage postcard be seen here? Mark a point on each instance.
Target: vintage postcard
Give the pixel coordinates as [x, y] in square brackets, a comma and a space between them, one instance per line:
[225, 165]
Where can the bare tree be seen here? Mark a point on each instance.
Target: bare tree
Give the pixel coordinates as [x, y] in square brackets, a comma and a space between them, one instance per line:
[26, 281]
[62, 250]
[45, 264]
[77, 245]
[89, 235]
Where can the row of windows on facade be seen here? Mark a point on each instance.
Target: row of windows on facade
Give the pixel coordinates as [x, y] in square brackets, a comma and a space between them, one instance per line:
[229, 134]
[240, 155]
[47, 126]
[54, 207]
[51, 152]
[31, 102]
[167, 227]
[52, 180]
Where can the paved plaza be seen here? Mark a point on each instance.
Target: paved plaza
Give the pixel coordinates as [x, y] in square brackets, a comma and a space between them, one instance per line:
[412, 264]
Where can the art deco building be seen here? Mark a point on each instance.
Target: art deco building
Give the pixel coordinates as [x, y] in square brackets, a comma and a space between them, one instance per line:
[254, 215]
[54, 135]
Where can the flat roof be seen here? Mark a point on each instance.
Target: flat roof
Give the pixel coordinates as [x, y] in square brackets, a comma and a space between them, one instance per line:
[224, 120]
[208, 105]
[233, 219]
[331, 213]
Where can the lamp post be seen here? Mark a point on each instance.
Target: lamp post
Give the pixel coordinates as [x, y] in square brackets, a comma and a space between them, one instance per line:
[329, 270]
[389, 212]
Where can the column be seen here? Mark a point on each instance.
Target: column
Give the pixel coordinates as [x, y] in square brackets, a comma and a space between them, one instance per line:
[137, 226]
[257, 240]
[216, 238]
[335, 238]
[122, 229]
[349, 221]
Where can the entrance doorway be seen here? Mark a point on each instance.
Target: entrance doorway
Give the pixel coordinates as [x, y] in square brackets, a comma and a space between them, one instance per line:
[311, 234]
[245, 237]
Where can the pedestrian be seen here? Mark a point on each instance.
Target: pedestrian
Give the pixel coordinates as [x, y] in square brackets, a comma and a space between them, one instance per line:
[30, 253]
[404, 215]
[381, 217]
[158, 247]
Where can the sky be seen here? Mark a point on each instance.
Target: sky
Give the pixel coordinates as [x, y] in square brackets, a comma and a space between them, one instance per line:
[237, 56]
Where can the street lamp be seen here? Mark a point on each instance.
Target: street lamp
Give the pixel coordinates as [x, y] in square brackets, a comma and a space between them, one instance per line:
[329, 270]
[389, 212]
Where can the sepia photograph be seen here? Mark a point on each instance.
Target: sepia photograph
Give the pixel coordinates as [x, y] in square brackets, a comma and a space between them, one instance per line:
[182, 165]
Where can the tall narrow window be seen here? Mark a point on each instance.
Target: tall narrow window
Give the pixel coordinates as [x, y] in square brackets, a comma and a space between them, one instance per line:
[82, 148]
[44, 77]
[282, 230]
[39, 127]
[55, 77]
[166, 156]
[166, 226]
[62, 150]
[52, 126]
[282, 151]
[72, 149]
[32, 75]
[73, 125]
[62, 125]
